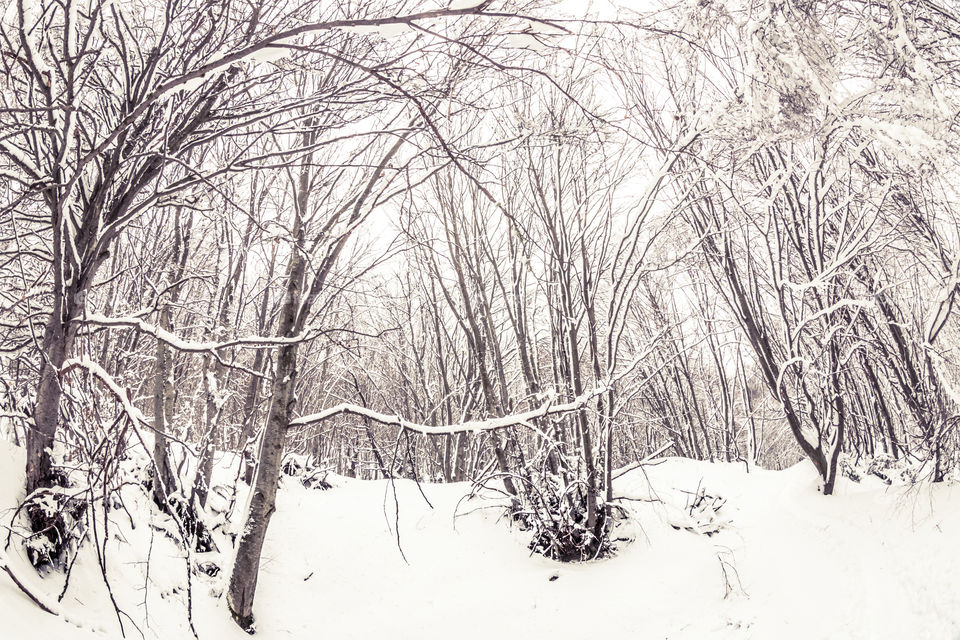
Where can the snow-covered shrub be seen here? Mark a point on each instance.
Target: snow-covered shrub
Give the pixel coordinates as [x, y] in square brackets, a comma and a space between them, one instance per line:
[316, 478]
[883, 466]
[312, 474]
[57, 522]
[848, 468]
[293, 465]
[702, 514]
[562, 533]
[554, 509]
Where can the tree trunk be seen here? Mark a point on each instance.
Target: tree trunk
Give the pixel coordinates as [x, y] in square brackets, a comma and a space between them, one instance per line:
[164, 479]
[243, 581]
[248, 432]
[46, 416]
[293, 316]
[211, 415]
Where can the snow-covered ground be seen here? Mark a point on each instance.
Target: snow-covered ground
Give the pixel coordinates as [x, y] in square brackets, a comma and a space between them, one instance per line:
[873, 562]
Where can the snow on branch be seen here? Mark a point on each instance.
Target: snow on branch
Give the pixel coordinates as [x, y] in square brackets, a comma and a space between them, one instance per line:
[524, 419]
[15, 415]
[135, 416]
[180, 344]
[45, 602]
[122, 395]
[265, 49]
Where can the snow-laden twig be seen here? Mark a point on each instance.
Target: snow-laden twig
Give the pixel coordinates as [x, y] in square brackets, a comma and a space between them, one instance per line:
[41, 600]
[476, 426]
[137, 418]
[630, 467]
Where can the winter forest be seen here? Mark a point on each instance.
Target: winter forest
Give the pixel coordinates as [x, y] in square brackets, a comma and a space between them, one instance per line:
[483, 318]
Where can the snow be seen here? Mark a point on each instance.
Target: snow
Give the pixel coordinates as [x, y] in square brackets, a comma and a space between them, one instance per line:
[386, 30]
[525, 41]
[135, 321]
[466, 4]
[873, 562]
[276, 50]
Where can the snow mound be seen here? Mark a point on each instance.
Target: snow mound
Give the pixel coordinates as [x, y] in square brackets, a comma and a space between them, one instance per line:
[704, 551]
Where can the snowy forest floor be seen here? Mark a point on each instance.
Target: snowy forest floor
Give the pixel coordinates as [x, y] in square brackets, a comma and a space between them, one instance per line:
[872, 562]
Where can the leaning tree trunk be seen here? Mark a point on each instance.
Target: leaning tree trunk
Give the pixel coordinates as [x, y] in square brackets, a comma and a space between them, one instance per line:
[55, 348]
[246, 567]
[243, 581]
[292, 319]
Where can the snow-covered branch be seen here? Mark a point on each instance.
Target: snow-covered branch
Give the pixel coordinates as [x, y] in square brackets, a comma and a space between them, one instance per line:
[265, 49]
[523, 419]
[192, 346]
[136, 417]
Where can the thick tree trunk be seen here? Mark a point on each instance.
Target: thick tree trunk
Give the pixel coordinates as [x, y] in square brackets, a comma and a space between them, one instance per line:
[243, 581]
[46, 416]
[246, 567]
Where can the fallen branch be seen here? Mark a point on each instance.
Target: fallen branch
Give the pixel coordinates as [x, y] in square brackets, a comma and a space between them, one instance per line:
[524, 419]
[41, 601]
